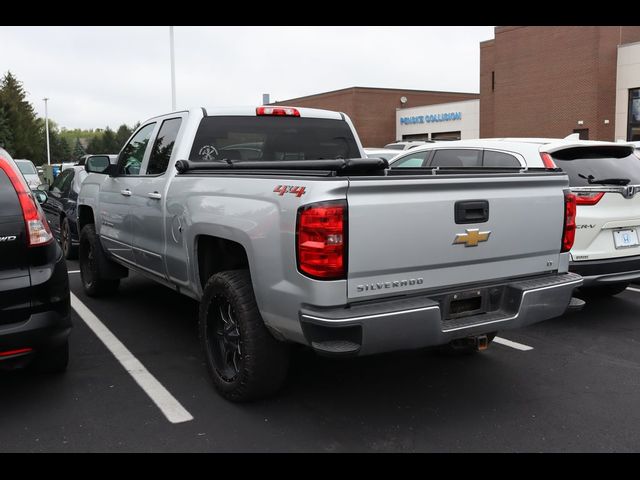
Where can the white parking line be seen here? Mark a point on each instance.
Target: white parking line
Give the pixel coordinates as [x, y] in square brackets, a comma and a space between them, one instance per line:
[73, 271]
[167, 403]
[634, 289]
[509, 343]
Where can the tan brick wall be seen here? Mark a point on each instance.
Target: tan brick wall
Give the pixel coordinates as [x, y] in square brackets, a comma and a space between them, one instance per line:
[548, 78]
[373, 110]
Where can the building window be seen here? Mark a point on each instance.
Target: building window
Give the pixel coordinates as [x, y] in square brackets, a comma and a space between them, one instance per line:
[446, 135]
[493, 81]
[633, 125]
[416, 136]
[582, 132]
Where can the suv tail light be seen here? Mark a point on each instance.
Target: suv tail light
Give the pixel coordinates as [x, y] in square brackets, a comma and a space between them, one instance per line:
[548, 161]
[588, 198]
[38, 231]
[569, 230]
[278, 111]
[321, 240]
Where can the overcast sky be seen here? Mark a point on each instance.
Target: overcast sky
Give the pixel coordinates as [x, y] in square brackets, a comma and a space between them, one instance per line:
[99, 76]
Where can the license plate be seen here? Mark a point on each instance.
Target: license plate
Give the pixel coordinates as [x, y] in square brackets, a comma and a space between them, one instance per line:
[625, 238]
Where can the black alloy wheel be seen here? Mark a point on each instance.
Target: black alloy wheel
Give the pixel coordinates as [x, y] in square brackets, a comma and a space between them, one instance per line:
[224, 338]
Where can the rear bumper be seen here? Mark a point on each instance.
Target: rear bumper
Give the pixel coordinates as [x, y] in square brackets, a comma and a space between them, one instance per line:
[42, 331]
[45, 321]
[607, 271]
[418, 322]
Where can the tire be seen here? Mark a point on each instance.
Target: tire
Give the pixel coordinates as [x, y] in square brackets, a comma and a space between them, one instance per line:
[464, 346]
[70, 251]
[604, 290]
[53, 360]
[243, 359]
[93, 263]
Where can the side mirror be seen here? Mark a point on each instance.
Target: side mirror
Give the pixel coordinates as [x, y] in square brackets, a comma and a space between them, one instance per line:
[41, 196]
[98, 164]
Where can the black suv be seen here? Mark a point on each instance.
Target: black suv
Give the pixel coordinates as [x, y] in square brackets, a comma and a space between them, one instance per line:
[35, 317]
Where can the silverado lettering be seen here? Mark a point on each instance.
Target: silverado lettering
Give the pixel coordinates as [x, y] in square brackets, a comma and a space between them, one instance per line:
[394, 284]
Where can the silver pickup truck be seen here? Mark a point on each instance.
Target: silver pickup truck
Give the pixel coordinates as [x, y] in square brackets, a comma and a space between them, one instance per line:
[274, 220]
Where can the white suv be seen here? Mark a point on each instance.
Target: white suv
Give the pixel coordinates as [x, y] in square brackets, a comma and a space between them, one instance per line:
[604, 176]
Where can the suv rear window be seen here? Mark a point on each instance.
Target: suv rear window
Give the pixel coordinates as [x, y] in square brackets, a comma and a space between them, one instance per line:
[600, 163]
[8, 197]
[272, 138]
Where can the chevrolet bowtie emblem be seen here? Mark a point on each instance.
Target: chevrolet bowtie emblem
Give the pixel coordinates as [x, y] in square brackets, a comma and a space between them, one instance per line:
[472, 237]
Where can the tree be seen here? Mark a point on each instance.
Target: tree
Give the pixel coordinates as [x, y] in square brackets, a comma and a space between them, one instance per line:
[95, 145]
[78, 150]
[109, 144]
[20, 118]
[122, 135]
[6, 136]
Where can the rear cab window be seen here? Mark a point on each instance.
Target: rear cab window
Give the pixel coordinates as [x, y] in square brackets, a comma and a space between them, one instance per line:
[589, 166]
[269, 138]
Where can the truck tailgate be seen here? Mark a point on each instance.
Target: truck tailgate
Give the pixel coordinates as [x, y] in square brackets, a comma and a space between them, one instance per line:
[402, 230]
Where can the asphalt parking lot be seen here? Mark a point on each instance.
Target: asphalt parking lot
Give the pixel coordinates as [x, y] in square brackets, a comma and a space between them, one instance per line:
[575, 389]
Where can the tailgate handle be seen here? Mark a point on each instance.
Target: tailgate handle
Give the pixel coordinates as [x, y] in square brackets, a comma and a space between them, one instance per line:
[472, 211]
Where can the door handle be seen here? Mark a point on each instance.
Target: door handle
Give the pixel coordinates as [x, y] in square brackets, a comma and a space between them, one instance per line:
[472, 211]
[154, 195]
[126, 192]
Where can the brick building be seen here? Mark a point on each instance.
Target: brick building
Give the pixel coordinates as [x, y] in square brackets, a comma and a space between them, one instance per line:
[373, 110]
[553, 81]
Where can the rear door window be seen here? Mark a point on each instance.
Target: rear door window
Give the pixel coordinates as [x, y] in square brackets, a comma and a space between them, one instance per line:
[456, 158]
[163, 146]
[587, 166]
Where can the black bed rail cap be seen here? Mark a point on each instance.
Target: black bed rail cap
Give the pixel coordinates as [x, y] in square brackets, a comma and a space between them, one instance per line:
[347, 166]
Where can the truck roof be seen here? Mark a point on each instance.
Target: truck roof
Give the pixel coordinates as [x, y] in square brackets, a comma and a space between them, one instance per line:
[251, 111]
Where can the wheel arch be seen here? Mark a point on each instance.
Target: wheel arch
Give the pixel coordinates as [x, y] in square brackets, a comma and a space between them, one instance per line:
[216, 254]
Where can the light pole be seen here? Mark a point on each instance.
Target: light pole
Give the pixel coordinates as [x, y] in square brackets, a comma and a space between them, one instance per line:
[173, 70]
[46, 126]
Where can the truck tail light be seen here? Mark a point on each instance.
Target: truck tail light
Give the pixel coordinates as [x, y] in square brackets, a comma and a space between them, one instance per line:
[588, 198]
[548, 161]
[569, 230]
[38, 231]
[278, 111]
[321, 240]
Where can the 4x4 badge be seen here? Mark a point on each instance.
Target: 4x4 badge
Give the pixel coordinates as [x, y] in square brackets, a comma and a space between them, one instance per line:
[472, 237]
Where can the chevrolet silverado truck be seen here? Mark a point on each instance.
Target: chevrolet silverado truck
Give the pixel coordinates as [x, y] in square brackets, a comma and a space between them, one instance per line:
[273, 219]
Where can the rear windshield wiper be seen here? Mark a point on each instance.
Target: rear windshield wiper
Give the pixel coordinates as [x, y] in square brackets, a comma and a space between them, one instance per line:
[605, 181]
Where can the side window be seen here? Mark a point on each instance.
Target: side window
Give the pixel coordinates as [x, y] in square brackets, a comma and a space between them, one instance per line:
[57, 183]
[66, 184]
[499, 159]
[412, 160]
[62, 181]
[133, 153]
[163, 146]
[456, 158]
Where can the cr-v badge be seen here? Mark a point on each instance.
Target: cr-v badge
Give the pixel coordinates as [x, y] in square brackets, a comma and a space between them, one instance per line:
[472, 237]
